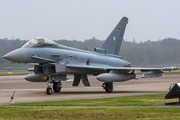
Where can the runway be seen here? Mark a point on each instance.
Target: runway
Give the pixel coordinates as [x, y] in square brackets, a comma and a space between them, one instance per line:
[35, 92]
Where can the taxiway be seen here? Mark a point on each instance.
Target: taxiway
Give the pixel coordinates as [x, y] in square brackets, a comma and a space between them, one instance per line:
[35, 92]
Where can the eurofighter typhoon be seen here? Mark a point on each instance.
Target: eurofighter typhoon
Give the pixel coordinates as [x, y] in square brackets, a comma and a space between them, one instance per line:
[54, 62]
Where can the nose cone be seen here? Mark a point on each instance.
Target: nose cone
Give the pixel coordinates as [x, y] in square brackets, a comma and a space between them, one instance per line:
[19, 55]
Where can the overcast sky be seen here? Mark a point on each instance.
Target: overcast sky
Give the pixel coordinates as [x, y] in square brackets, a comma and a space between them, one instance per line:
[84, 19]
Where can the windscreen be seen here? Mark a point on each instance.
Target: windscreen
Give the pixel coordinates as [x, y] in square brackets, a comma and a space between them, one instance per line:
[40, 42]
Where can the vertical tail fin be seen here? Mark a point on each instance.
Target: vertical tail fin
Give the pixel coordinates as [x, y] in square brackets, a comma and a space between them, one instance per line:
[113, 42]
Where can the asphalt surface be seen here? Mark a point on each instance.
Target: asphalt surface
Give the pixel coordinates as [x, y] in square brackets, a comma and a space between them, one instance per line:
[35, 92]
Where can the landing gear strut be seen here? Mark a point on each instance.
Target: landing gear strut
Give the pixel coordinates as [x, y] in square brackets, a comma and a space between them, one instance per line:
[108, 86]
[57, 87]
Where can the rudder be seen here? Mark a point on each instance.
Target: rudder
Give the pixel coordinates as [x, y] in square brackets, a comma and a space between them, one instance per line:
[113, 42]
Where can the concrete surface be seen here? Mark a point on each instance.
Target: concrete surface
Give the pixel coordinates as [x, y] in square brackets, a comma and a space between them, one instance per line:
[35, 92]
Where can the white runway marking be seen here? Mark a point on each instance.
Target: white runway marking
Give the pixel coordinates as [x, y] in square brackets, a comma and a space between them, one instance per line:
[70, 80]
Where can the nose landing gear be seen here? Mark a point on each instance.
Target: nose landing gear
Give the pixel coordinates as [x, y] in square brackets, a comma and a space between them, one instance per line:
[49, 89]
[56, 87]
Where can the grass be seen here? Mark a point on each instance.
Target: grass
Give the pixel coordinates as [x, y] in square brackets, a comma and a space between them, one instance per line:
[14, 74]
[14, 70]
[139, 100]
[164, 73]
[89, 113]
[171, 73]
[137, 73]
[19, 113]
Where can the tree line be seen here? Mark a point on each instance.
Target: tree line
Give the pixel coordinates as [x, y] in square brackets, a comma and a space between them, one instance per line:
[145, 54]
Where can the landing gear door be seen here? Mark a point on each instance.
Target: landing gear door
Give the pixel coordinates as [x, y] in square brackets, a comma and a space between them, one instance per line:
[59, 67]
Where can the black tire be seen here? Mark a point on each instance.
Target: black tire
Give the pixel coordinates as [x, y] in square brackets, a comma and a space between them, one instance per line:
[108, 87]
[57, 87]
[49, 91]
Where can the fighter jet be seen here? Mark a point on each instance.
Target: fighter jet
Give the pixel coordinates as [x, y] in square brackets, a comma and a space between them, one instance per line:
[54, 62]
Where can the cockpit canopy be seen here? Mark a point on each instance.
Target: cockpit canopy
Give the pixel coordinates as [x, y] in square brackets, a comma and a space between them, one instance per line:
[40, 42]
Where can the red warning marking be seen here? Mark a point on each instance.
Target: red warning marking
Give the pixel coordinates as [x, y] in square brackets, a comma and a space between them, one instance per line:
[171, 97]
[66, 70]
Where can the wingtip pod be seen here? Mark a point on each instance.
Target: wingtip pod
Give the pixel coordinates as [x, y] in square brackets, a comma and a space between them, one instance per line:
[170, 68]
[124, 19]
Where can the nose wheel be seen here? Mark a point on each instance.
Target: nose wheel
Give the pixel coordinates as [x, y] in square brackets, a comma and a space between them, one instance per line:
[49, 89]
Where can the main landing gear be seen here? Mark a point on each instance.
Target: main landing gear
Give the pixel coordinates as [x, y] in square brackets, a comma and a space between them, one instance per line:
[56, 87]
[108, 86]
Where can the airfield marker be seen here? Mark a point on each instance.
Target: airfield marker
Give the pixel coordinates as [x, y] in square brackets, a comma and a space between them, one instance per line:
[9, 72]
[12, 97]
